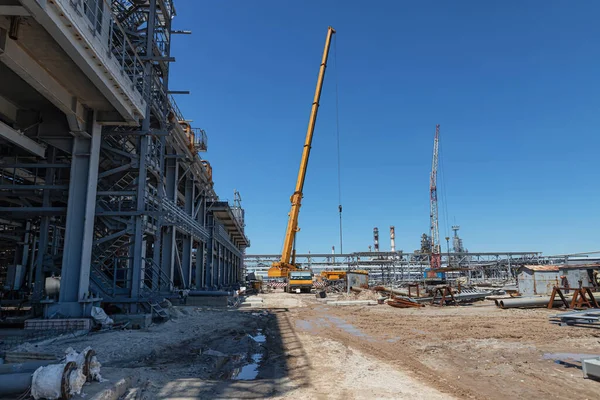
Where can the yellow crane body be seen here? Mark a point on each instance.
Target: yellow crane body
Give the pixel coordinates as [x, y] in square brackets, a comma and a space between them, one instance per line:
[286, 264]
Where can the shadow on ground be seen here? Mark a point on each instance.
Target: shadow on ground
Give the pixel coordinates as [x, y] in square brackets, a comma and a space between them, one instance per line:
[283, 365]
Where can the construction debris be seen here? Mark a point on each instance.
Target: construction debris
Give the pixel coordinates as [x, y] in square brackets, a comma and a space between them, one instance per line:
[591, 367]
[403, 302]
[57, 381]
[352, 303]
[585, 317]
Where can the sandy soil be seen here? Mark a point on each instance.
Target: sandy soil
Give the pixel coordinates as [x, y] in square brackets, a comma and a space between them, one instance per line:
[476, 351]
[295, 346]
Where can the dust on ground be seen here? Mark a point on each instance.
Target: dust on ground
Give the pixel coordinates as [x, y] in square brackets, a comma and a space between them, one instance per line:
[296, 346]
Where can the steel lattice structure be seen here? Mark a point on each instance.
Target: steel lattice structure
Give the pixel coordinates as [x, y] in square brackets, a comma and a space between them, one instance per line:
[407, 267]
[101, 179]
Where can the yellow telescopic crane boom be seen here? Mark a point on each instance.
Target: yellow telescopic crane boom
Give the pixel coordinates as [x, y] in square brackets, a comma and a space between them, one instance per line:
[281, 268]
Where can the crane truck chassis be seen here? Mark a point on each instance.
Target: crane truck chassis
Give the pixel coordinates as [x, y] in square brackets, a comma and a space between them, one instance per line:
[300, 281]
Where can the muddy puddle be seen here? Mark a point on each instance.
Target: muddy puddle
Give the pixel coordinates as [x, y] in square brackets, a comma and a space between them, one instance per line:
[259, 337]
[351, 329]
[245, 366]
[249, 371]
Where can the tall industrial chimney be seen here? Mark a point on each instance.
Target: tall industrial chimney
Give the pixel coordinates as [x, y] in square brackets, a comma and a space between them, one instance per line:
[376, 238]
[393, 238]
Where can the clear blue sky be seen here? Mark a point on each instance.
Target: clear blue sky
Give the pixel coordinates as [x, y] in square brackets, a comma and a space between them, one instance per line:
[514, 85]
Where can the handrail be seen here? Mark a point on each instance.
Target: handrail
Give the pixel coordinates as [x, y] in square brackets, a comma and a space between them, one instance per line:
[176, 215]
[114, 42]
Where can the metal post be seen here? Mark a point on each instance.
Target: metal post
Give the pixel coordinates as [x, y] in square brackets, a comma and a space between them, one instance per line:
[169, 247]
[81, 206]
[200, 265]
[43, 232]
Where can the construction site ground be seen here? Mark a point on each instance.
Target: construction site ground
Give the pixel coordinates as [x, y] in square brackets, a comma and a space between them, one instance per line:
[296, 346]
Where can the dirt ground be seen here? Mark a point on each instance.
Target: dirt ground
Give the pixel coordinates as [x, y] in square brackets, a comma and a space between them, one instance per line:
[295, 346]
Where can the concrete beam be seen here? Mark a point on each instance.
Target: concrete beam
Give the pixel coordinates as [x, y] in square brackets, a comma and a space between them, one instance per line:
[34, 74]
[18, 139]
[19, 11]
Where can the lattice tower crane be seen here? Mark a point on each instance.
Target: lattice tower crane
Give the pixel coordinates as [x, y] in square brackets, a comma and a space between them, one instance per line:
[436, 258]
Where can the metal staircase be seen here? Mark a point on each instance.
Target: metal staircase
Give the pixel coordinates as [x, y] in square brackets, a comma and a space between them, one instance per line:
[156, 309]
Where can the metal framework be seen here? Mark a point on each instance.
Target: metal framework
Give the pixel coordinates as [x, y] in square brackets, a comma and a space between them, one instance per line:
[101, 181]
[409, 267]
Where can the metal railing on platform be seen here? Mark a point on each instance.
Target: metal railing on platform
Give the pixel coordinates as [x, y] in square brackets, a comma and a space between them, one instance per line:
[102, 31]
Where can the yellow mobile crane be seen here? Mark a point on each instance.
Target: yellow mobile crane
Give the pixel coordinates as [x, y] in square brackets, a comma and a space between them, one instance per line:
[286, 266]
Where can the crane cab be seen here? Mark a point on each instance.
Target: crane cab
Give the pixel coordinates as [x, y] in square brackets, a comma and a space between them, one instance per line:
[300, 281]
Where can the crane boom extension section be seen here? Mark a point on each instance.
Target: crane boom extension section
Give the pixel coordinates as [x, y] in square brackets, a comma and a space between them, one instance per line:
[281, 269]
[436, 257]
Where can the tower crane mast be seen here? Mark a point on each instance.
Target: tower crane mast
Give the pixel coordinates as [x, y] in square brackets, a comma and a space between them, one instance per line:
[436, 258]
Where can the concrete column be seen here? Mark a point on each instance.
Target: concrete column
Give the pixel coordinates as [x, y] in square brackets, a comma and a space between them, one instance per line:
[81, 207]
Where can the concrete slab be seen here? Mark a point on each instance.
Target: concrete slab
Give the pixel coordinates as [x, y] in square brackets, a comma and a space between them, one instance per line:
[118, 381]
[136, 321]
[63, 324]
[207, 301]
[254, 299]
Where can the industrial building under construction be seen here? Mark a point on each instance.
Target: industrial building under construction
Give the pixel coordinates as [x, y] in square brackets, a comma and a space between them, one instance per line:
[124, 274]
[104, 195]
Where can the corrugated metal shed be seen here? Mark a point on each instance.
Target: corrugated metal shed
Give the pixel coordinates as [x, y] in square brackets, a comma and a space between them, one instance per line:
[535, 280]
[580, 272]
[541, 279]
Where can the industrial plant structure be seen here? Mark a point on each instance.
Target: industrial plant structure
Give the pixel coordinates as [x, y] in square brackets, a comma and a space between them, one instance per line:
[103, 192]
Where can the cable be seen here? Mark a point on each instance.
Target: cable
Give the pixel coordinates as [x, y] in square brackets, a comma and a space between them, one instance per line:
[337, 126]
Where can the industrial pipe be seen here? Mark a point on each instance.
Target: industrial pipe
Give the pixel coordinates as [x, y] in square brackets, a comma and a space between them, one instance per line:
[24, 367]
[11, 384]
[392, 291]
[528, 302]
[209, 293]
